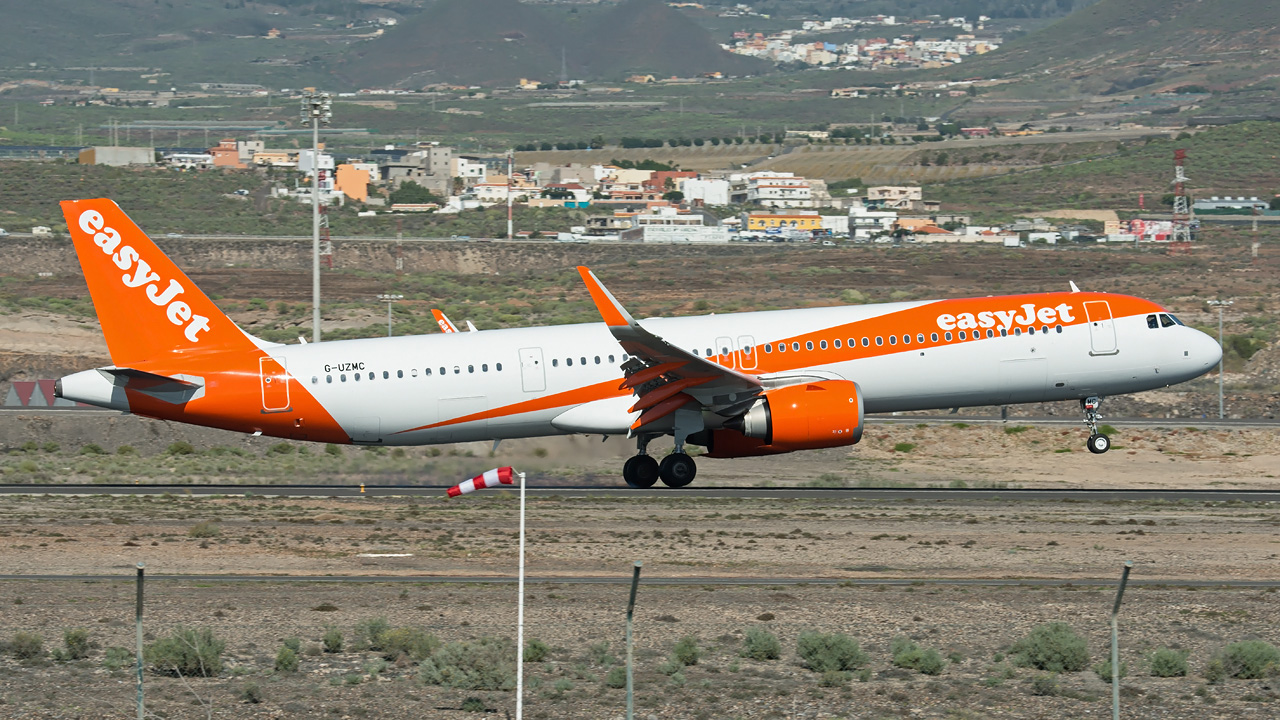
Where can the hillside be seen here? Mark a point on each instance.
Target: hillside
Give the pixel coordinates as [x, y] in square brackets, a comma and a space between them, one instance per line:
[501, 41]
[1124, 46]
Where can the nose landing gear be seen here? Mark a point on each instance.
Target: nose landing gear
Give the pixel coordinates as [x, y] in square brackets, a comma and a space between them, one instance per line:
[1097, 443]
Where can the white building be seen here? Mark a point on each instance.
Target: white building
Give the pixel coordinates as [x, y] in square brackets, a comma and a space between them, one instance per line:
[706, 192]
[779, 190]
[667, 225]
[469, 169]
[865, 223]
[189, 161]
[899, 197]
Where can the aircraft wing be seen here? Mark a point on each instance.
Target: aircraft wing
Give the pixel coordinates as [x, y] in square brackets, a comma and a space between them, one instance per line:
[665, 377]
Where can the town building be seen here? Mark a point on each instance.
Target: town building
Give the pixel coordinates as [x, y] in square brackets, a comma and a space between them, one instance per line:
[118, 156]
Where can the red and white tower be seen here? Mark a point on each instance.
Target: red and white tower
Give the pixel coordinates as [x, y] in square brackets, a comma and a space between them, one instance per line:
[1181, 208]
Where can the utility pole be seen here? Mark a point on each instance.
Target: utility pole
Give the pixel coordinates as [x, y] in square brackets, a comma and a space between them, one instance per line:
[138, 626]
[389, 299]
[1115, 643]
[316, 111]
[631, 609]
[510, 169]
[1220, 304]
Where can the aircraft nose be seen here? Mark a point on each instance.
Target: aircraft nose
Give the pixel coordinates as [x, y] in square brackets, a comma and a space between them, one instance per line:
[1205, 350]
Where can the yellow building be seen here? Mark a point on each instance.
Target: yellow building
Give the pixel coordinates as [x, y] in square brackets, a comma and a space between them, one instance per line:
[353, 182]
[798, 222]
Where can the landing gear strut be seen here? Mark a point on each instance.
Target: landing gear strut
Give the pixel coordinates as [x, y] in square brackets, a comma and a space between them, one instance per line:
[1098, 443]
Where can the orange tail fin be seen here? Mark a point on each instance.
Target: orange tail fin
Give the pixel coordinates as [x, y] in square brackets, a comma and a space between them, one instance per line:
[147, 306]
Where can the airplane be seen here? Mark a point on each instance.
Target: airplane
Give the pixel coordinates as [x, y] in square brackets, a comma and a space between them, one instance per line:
[446, 325]
[739, 384]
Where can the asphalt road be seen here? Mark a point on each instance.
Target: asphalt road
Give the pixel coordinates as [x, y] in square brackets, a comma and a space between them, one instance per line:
[625, 578]
[618, 491]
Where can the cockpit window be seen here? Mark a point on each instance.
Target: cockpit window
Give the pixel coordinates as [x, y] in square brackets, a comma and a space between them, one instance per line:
[1176, 320]
[1152, 322]
[1166, 321]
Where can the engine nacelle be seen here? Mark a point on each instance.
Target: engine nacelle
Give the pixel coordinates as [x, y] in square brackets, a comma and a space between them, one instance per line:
[807, 416]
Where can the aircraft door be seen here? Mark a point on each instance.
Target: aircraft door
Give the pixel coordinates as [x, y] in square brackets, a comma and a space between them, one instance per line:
[724, 348]
[533, 375]
[747, 352]
[275, 384]
[1102, 328]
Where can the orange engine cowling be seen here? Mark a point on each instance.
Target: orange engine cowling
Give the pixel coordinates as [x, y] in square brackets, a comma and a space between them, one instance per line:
[807, 416]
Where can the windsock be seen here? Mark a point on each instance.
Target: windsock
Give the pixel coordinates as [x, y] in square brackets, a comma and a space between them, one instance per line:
[492, 478]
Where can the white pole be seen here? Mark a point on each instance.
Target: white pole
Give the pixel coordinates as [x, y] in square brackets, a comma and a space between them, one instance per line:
[315, 229]
[520, 615]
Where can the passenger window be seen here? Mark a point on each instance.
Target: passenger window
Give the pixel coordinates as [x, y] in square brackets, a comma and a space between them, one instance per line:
[555, 362]
[356, 377]
[768, 348]
[948, 337]
[1017, 332]
[1058, 328]
[471, 368]
[920, 338]
[611, 359]
[724, 351]
[568, 361]
[1152, 322]
[893, 339]
[484, 367]
[782, 347]
[328, 378]
[991, 333]
[933, 337]
[370, 376]
[597, 359]
[1165, 320]
[314, 379]
[795, 346]
[906, 339]
[746, 350]
[343, 377]
[583, 360]
[710, 352]
[879, 340]
[695, 351]
[426, 372]
[457, 370]
[624, 358]
[961, 335]
[444, 371]
[823, 344]
[808, 345]
[836, 342]
[497, 366]
[852, 344]
[865, 342]
[1044, 329]
[413, 372]
[400, 373]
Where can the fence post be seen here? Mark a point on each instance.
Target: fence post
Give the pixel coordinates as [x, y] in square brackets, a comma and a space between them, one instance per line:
[138, 623]
[1115, 643]
[631, 607]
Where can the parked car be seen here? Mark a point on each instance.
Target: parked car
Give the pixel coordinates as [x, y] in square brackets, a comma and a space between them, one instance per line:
[4, 233]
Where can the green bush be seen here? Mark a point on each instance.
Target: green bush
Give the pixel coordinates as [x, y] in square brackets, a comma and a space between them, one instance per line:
[204, 529]
[251, 693]
[473, 704]
[1045, 685]
[484, 664]
[369, 633]
[26, 646]
[286, 660]
[76, 641]
[92, 449]
[181, 447]
[670, 667]
[332, 640]
[536, 651]
[117, 658]
[834, 678]
[187, 652]
[1103, 669]
[907, 654]
[760, 644]
[836, 651]
[1249, 659]
[293, 643]
[599, 653]
[1168, 663]
[617, 677]
[1054, 647]
[412, 642]
[686, 651]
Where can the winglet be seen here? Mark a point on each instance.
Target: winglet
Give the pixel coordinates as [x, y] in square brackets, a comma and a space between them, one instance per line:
[610, 309]
[1074, 289]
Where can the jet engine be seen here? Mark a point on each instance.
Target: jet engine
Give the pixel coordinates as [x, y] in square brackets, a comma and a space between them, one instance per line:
[807, 416]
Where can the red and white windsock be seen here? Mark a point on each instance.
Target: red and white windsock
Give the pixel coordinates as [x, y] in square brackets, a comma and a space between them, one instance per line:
[492, 478]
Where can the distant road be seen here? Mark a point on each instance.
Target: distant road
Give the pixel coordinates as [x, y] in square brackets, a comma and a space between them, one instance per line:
[128, 575]
[621, 491]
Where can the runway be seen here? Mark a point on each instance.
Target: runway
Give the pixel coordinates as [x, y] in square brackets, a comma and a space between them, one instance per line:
[625, 579]
[620, 492]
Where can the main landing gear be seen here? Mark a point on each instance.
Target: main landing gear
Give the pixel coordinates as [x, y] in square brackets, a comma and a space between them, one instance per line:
[641, 471]
[1097, 443]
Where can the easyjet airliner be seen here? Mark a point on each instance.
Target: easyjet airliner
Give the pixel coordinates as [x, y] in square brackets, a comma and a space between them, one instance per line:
[742, 384]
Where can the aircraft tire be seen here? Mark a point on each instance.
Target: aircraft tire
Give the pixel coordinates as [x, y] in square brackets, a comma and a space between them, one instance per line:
[640, 471]
[1098, 444]
[677, 470]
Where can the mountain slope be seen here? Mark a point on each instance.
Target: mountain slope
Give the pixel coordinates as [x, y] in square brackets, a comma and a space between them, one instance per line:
[500, 41]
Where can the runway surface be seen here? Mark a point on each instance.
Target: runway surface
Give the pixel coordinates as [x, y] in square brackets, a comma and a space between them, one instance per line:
[615, 492]
[625, 579]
